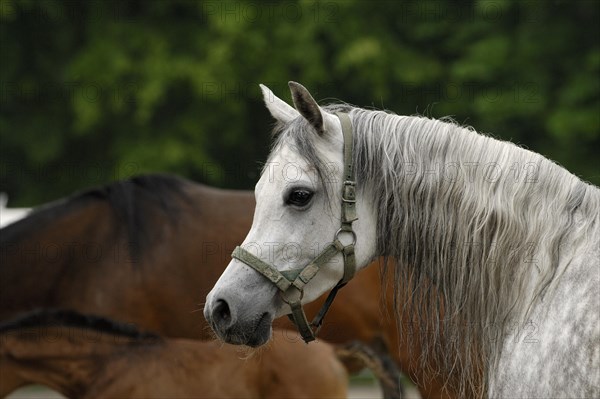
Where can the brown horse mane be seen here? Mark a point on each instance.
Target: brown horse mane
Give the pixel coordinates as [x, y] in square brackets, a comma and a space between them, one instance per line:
[43, 318]
[129, 199]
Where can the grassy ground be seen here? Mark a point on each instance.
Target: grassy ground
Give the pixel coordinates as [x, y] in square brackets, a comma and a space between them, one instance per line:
[365, 386]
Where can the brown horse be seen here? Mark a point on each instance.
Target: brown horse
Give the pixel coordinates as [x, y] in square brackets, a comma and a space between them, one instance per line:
[83, 356]
[147, 251]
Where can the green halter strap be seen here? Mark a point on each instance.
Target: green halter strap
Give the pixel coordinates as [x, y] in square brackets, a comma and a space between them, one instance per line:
[291, 282]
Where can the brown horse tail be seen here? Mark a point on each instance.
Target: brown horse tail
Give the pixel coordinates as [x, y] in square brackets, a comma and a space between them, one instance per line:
[62, 349]
[381, 364]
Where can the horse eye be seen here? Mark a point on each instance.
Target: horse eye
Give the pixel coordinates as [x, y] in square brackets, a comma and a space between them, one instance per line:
[299, 197]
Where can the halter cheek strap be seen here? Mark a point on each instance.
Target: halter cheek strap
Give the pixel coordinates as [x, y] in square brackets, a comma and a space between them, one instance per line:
[291, 282]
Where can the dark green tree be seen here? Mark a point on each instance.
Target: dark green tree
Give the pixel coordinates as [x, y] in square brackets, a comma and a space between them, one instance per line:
[93, 91]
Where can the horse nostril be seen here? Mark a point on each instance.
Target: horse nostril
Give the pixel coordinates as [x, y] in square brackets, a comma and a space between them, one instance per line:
[222, 314]
[222, 310]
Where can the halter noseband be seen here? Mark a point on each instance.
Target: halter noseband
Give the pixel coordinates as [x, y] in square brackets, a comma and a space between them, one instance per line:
[291, 282]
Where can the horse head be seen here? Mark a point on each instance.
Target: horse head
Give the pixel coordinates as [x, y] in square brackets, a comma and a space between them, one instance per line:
[311, 231]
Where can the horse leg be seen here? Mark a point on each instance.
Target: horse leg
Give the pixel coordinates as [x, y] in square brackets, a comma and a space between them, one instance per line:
[376, 358]
[389, 368]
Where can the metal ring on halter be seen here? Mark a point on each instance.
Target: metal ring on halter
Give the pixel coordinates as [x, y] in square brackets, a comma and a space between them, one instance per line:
[286, 300]
[337, 236]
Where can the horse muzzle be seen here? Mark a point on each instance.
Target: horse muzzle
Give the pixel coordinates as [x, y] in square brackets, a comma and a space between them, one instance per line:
[224, 317]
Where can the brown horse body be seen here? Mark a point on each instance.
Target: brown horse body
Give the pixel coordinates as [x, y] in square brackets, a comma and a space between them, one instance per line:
[89, 357]
[147, 251]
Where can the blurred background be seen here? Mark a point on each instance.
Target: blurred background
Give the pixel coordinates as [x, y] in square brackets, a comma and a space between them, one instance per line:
[98, 90]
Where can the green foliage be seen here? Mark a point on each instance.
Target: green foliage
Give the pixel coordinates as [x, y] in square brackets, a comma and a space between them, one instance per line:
[98, 90]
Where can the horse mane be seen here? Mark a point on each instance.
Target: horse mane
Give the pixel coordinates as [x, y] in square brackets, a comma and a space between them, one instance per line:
[463, 219]
[45, 318]
[129, 199]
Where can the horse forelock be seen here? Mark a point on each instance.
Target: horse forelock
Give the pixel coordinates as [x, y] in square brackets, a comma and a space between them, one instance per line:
[464, 219]
[300, 135]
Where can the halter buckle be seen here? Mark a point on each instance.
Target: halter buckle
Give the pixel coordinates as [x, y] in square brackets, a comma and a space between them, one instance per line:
[349, 192]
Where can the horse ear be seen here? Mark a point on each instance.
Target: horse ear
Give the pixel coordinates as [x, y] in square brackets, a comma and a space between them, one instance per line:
[278, 108]
[307, 106]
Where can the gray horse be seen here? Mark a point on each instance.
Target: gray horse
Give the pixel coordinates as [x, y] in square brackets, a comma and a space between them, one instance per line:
[501, 239]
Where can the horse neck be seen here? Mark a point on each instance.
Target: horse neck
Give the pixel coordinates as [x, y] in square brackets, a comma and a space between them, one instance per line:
[65, 359]
[452, 198]
[468, 215]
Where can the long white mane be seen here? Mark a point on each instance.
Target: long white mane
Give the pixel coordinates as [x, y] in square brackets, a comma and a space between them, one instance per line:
[477, 230]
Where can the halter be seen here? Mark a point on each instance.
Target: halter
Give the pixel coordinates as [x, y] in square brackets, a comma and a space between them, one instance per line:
[291, 282]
